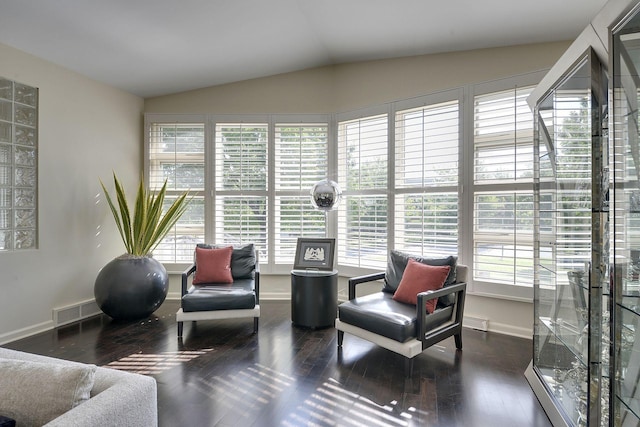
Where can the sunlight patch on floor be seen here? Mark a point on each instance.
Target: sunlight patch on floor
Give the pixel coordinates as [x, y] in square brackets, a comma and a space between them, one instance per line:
[331, 404]
[151, 364]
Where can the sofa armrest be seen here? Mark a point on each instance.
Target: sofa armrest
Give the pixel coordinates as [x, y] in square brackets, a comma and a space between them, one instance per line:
[117, 398]
[354, 281]
[185, 275]
[122, 399]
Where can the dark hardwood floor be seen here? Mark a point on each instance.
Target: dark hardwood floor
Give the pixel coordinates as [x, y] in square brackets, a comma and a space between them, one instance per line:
[222, 375]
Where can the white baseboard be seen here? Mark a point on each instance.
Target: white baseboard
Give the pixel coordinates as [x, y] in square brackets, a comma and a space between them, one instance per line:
[173, 296]
[26, 332]
[514, 331]
[89, 308]
[275, 296]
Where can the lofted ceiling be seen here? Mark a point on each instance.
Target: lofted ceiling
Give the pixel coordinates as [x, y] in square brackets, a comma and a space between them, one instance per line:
[156, 47]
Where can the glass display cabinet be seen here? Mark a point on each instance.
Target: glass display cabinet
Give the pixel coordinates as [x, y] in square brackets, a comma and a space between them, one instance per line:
[571, 253]
[625, 64]
[586, 363]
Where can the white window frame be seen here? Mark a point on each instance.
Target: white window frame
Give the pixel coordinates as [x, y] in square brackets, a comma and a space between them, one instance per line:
[267, 264]
[151, 120]
[477, 287]
[466, 187]
[390, 192]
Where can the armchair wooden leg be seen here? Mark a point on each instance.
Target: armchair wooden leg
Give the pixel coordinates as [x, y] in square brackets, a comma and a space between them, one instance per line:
[340, 338]
[180, 326]
[458, 339]
[255, 325]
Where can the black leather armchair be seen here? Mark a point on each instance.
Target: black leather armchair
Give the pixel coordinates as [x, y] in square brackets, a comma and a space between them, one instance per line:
[209, 301]
[403, 328]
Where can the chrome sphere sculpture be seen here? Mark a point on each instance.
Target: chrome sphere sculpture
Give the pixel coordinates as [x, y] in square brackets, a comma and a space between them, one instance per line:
[326, 195]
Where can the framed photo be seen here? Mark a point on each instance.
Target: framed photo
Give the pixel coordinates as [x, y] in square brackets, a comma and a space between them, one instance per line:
[314, 254]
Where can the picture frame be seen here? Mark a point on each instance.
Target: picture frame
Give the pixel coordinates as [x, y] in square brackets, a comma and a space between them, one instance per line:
[314, 254]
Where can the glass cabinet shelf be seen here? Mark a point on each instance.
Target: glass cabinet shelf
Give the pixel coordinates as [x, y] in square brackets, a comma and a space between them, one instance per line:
[571, 256]
[570, 338]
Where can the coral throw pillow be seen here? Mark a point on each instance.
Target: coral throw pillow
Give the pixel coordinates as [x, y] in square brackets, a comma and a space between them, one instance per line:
[213, 265]
[418, 277]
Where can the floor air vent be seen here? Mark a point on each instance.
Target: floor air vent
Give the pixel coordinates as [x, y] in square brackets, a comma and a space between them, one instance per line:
[476, 323]
[75, 312]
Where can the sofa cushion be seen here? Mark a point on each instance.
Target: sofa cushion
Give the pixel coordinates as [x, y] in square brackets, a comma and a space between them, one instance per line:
[236, 296]
[397, 262]
[418, 278]
[34, 393]
[243, 259]
[213, 265]
[381, 314]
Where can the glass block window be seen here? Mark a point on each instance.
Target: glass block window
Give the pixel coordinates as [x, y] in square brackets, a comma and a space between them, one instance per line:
[18, 166]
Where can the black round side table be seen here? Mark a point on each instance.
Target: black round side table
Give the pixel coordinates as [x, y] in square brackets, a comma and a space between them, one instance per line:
[314, 298]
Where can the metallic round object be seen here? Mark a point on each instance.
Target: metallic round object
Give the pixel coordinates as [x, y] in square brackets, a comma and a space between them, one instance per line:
[326, 195]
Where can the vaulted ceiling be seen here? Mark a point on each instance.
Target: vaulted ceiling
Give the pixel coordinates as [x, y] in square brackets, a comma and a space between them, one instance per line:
[156, 47]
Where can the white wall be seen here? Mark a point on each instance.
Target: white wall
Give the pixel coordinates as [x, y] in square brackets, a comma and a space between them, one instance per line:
[350, 86]
[86, 130]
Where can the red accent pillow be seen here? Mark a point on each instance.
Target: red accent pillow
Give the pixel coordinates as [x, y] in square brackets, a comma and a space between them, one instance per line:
[418, 277]
[213, 265]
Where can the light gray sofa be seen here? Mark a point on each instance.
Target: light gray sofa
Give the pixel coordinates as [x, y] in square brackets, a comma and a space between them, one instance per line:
[117, 398]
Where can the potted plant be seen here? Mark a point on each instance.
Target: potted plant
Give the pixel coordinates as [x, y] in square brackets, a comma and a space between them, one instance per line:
[134, 285]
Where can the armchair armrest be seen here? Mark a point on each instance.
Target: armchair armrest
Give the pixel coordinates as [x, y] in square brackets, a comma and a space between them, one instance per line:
[429, 295]
[256, 277]
[354, 281]
[459, 289]
[185, 274]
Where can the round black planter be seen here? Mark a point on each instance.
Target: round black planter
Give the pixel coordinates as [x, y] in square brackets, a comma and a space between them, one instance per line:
[130, 288]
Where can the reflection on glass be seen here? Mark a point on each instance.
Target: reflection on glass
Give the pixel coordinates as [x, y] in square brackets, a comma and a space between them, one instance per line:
[25, 136]
[25, 239]
[570, 348]
[6, 89]
[5, 132]
[626, 96]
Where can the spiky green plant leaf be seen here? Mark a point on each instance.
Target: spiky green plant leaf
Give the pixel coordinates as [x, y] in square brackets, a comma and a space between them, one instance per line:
[143, 231]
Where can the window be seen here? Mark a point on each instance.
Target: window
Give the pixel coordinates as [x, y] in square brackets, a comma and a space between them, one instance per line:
[18, 166]
[408, 201]
[249, 181]
[301, 154]
[241, 184]
[503, 188]
[176, 155]
[426, 179]
[573, 199]
[363, 171]
[433, 175]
